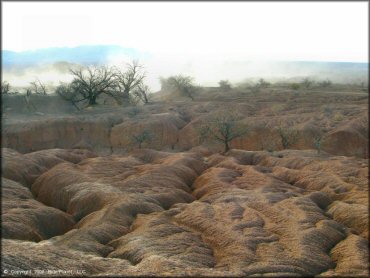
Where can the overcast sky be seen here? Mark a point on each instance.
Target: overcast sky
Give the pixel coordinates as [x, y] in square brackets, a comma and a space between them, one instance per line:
[211, 30]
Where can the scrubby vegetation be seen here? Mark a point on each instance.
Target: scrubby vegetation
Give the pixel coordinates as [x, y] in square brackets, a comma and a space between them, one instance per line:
[225, 85]
[254, 115]
[224, 127]
[288, 136]
[5, 87]
[142, 137]
[180, 84]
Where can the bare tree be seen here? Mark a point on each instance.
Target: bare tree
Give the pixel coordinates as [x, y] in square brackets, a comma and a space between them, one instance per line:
[224, 128]
[5, 87]
[68, 92]
[142, 137]
[27, 98]
[90, 82]
[28, 92]
[142, 92]
[180, 83]
[129, 79]
[288, 136]
[38, 87]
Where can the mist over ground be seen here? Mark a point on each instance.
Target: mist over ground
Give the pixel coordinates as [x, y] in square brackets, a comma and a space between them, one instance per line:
[51, 65]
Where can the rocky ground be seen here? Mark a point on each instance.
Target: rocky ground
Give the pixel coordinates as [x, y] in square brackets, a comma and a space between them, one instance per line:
[79, 198]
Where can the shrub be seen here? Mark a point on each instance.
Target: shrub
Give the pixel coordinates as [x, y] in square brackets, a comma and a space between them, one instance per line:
[184, 85]
[327, 110]
[295, 86]
[325, 83]
[307, 83]
[338, 117]
[5, 87]
[142, 137]
[288, 136]
[224, 85]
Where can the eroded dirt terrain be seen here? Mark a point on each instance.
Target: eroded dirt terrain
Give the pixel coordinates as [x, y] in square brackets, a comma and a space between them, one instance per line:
[341, 117]
[288, 213]
[81, 197]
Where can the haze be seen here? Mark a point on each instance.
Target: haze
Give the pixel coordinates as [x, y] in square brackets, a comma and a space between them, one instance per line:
[195, 38]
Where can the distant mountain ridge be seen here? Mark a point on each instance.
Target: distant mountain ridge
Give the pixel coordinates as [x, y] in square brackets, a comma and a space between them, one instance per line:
[94, 54]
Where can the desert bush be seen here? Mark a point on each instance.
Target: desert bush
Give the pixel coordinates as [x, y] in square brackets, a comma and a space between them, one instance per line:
[288, 136]
[327, 110]
[258, 86]
[338, 117]
[307, 82]
[5, 87]
[263, 83]
[295, 86]
[317, 142]
[224, 85]
[325, 83]
[184, 85]
[142, 137]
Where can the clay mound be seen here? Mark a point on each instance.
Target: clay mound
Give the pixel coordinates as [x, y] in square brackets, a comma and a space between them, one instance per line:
[105, 194]
[350, 256]
[189, 136]
[170, 126]
[25, 258]
[163, 129]
[25, 168]
[288, 213]
[16, 258]
[24, 218]
[67, 132]
[155, 235]
[347, 136]
[349, 139]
